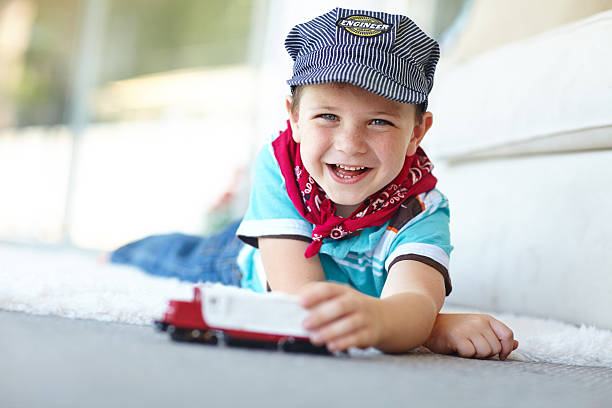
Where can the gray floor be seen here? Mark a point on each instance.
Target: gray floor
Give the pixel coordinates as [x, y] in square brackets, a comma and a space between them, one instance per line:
[55, 362]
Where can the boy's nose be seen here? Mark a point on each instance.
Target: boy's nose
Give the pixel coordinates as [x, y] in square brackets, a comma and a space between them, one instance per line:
[350, 140]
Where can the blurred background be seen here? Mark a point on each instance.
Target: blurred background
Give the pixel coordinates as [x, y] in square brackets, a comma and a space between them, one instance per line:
[120, 119]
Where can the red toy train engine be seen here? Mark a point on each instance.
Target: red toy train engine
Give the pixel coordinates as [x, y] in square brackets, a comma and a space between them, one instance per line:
[186, 321]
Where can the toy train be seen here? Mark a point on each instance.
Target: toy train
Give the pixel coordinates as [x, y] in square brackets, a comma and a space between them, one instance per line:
[231, 316]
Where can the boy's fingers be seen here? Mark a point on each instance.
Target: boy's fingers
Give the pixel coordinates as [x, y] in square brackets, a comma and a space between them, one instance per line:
[316, 292]
[505, 353]
[465, 348]
[505, 336]
[327, 312]
[337, 330]
[482, 346]
[354, 339]
[494, 343]
[342, 304]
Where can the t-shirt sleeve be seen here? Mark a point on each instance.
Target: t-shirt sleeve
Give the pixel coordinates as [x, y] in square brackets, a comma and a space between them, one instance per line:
[426, 238]
[270, 212]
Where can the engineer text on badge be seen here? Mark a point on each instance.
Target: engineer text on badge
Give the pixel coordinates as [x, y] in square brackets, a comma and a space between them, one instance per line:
[364, 26]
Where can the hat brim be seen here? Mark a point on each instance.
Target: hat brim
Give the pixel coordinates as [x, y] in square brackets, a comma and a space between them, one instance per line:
[364, 77]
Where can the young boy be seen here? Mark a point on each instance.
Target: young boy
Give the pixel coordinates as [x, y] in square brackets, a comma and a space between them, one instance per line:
[344, 210]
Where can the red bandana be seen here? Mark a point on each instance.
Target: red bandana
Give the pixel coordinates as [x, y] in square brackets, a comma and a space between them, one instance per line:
[316, 207]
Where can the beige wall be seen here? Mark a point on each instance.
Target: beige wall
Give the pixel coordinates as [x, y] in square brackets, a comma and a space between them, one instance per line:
[530, 227]
[491, 23]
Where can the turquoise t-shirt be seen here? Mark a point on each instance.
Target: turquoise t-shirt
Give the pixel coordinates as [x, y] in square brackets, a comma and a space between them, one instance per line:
[419, 230]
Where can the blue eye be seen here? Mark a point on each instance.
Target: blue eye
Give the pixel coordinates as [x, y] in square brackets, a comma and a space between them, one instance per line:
[328, 116]
[381, 122]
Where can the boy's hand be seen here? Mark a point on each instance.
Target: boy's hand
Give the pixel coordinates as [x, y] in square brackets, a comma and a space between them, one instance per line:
[341, 317]
[471, 335]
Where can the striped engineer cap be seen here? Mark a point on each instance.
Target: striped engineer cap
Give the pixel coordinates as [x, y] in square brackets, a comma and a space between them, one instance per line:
[386, 54]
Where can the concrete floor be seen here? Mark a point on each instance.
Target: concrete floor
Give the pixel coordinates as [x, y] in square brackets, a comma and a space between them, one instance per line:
[56, 362]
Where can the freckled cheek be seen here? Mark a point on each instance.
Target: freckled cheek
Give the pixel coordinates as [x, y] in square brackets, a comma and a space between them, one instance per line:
[391, 162]
[314, 149]
[391, 150]
[387, 154]
[311, 159]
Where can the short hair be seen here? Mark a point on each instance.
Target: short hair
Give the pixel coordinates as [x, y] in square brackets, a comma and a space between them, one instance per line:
[296, 93]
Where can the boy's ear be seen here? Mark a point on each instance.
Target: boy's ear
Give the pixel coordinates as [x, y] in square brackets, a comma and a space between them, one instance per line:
[293, 119]
[418, 132]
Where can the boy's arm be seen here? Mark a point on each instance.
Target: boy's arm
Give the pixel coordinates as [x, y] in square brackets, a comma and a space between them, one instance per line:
[287, 269]
[412, 297]
[399, 321]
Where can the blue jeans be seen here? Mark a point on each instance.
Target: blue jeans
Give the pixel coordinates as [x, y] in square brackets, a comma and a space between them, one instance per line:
[186, 257]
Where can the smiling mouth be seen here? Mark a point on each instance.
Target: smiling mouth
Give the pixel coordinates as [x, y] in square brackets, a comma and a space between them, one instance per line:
[346, 172]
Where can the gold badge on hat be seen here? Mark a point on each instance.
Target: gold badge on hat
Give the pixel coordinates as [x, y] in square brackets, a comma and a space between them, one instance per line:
[364, 26]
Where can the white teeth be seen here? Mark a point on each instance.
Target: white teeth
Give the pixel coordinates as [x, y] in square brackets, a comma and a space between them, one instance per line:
[349, 167]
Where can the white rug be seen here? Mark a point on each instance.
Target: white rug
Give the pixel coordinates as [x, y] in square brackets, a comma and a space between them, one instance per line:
[75, 285]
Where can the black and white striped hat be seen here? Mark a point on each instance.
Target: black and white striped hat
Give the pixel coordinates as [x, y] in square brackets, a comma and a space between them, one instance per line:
[386, 54]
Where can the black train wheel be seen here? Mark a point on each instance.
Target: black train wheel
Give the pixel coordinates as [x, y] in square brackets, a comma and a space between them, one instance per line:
[232, 341]
[292, 345]
[192, 335]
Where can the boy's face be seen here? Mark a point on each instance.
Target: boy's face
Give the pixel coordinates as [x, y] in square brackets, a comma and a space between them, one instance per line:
[353, 142]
